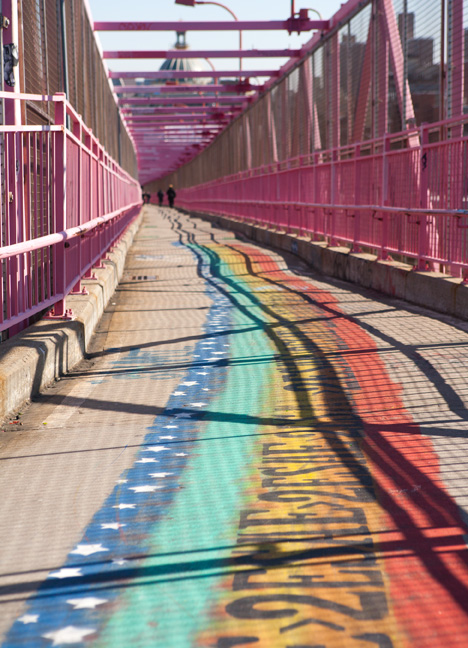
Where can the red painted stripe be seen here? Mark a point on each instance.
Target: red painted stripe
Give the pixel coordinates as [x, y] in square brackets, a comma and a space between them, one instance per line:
[423, 548]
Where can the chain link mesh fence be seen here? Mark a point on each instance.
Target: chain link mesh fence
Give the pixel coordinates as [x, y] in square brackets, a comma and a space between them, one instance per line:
[76, 69]
[367, 78]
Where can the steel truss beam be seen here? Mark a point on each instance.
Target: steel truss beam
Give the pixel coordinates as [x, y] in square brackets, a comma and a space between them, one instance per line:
[196, 117]
[183, 54]
[181, 101]
[292, 25]
[157, 89]
[191, 74]
[180, 110]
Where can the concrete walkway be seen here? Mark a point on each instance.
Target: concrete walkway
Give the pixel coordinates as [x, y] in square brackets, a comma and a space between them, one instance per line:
[250, 456]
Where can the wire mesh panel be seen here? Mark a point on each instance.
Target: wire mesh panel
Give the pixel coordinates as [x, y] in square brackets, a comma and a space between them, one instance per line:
[65, 201]
[364, 141]
[68, 60]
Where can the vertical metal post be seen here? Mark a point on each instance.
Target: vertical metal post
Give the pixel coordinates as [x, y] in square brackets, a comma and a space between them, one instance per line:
[349, 89]
[442, 67]
[455, 48]
[314, 144]
[60, 223]
[89, 203]
[248, 142]
[3, 273]
[306, 90]
[271, 129]
[77, 132]
[12, 115]
[63, 34]
[449, 59]
[405, 63]
[316, 195]
[382, 82]
[335, 90]
[357, 198]
[333, 197]
[2, 101]
[13, 173]
[119, 138]
[384, 198]
[423, 185]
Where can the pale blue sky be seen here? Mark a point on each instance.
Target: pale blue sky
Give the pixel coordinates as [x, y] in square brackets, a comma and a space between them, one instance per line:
[147, 10]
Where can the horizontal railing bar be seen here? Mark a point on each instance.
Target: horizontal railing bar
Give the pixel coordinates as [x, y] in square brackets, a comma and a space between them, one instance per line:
[31, 129]
[193, 87]
[59, 237]
[43, 305]
[376, 208]
[191, 74]
[167, 101]
[181, 54]
[217, 25]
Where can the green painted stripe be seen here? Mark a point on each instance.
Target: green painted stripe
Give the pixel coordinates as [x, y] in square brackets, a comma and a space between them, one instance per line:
[195, 540]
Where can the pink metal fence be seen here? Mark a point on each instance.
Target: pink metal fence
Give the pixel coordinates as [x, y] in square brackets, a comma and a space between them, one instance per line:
[385, 195]
[361, 140]
[65, 203]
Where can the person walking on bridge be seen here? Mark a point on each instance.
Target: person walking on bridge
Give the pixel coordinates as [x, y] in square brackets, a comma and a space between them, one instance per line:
[171, 194]
[160, 197]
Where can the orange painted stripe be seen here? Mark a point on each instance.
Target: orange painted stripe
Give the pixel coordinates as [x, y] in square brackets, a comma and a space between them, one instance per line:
[428, 580]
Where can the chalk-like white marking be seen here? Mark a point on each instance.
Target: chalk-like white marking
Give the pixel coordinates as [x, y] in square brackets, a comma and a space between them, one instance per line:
[88, 549]
[68, 635]
[144, 489]
[86, 603]
[29, 618]
[66, 572]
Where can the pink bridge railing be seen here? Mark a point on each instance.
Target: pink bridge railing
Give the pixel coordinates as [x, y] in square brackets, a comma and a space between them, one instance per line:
[404, 194]
[65, 203]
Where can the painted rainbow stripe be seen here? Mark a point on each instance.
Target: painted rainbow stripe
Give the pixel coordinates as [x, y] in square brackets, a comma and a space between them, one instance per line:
[299, 505]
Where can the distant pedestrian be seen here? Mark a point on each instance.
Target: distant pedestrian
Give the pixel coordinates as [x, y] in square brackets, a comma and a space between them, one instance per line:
[160, 197]
[146, 198]
[171, 194]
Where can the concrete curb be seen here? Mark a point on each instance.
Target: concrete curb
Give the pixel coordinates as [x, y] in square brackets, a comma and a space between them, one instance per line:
[432, 290]
[34, 358]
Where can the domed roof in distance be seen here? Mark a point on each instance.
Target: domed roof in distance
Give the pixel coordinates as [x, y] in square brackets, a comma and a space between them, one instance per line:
[192, 65]
[185, 64]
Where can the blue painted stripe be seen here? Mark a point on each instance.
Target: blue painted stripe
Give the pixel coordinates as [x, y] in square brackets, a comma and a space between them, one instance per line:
[101, 575]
